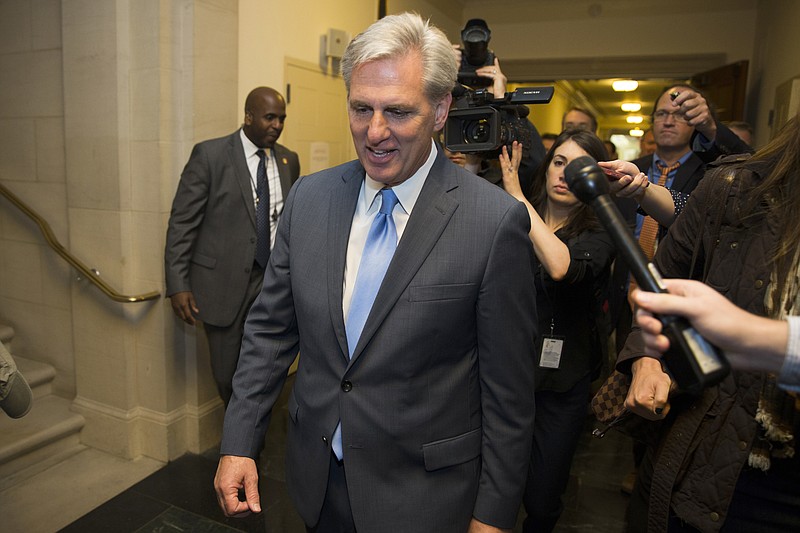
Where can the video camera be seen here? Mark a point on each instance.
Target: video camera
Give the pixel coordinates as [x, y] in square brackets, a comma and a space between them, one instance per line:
[475, 53]
[480, 122]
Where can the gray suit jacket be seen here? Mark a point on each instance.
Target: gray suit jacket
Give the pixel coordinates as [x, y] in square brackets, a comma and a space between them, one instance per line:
[211, 237]
[436, 403]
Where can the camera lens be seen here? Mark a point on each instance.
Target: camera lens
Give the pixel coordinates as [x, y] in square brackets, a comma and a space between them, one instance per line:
[476, 131]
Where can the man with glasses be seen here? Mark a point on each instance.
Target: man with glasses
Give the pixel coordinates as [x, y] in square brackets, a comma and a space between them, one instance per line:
[577, 118]
[688, 137]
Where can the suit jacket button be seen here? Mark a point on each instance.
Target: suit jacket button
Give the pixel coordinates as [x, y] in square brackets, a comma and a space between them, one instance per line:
[252, 239]
[347, 386]
[325, 439]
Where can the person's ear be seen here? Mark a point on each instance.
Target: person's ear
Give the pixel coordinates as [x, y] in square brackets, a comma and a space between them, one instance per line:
[441, 111]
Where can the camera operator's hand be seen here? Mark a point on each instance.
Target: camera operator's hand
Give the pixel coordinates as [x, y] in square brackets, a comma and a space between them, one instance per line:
[458, 51]
[496, 75]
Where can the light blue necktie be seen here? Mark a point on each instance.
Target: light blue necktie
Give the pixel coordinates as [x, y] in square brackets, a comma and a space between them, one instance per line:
[375, 259]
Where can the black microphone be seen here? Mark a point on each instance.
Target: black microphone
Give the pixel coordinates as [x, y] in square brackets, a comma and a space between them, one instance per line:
[691, 360]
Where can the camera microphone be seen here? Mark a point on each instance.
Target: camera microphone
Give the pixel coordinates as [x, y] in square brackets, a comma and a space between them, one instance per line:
[691, 360]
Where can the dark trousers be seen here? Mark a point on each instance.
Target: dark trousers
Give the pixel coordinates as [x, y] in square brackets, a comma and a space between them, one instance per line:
[336, 515]
[224, 343]
[560, 419]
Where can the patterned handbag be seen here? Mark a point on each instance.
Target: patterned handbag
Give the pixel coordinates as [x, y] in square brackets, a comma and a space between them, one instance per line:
[609, 401]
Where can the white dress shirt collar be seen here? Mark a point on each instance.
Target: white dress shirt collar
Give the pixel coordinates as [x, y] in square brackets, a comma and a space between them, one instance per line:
[407, 192]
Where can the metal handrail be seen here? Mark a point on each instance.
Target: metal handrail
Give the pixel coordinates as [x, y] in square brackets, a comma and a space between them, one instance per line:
[89, 273]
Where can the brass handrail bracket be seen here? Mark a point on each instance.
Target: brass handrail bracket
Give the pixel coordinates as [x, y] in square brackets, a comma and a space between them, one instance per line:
[88, 273]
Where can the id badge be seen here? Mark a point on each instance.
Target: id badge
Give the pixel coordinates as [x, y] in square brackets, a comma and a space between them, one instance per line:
[552, 345]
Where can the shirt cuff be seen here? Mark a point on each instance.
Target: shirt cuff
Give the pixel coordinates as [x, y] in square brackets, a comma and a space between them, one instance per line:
[701, 143]
[789, 377]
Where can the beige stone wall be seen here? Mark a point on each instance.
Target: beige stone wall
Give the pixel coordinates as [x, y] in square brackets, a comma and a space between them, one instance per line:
[143, 81]
[100, 104]
[34, 283]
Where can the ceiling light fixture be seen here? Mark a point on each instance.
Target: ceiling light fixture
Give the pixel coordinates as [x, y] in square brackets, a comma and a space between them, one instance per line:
[624, 85]
[634, 119]
[631, 107]
[636, 132]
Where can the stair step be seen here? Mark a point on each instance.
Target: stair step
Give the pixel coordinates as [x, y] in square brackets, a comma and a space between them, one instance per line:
[48, 432]
[39, 376]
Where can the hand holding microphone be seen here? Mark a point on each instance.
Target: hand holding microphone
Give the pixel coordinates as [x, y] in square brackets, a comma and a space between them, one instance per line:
[691, 360]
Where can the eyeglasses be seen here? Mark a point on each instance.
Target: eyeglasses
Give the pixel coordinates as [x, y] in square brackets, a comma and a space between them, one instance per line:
[661, 116]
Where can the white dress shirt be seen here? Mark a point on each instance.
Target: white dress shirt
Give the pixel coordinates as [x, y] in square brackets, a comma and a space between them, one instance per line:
[273, 181]
[367, 207]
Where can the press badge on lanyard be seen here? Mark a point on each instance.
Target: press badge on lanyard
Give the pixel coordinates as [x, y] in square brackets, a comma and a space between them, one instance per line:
[552, 345]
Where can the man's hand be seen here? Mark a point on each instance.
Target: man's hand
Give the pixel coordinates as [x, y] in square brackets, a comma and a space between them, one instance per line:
[695, 108]
[234, 473]
[184, 306]
[648, 395]
[476, 526]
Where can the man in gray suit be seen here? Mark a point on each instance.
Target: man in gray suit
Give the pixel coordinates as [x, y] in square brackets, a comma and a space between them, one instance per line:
[421, 420]
[215, 254]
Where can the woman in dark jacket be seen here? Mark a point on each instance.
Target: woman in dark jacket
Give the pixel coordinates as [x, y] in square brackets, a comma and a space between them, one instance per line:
[726, 460]
[575, 256]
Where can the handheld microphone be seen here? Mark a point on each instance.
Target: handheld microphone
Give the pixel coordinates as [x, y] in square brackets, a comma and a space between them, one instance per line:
[691, 360]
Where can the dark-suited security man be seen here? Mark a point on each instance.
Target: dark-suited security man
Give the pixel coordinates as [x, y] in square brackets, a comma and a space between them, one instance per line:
[222, 223]
[413, 412]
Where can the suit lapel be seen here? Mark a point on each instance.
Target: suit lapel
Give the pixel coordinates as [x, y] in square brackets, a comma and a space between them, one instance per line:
[243, 178]
[685, 172]
[341, 209]
[283, 169]
[431, 214]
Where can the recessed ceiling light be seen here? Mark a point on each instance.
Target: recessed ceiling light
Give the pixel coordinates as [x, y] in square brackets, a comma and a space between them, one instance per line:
[624, 85]
[636, 132]
[634, 119]
[631, 107]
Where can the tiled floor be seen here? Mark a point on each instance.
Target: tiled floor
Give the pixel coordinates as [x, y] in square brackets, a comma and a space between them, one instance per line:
[179, 497]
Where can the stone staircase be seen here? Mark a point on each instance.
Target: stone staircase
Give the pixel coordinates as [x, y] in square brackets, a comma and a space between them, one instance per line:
[47, 435]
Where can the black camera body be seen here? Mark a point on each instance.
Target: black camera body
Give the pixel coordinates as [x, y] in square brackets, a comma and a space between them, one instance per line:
[481, 123]
[475, 53]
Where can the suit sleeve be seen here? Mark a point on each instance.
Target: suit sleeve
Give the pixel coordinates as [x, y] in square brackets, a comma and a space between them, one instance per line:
[725, 143]
[506, 324]
[269, 347]
[186, 217]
